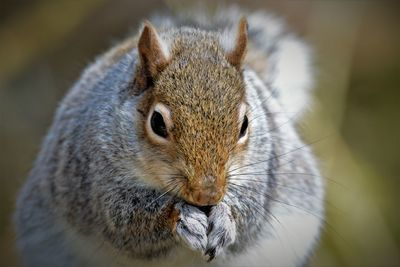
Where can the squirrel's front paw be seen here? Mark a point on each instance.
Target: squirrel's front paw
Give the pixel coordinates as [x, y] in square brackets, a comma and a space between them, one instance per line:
[221, 230]
[191, 226]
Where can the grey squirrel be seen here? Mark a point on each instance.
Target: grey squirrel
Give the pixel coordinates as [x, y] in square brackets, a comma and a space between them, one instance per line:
[178, 148]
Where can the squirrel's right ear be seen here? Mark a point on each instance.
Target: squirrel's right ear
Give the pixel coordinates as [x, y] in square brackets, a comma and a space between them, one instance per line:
[235, 55]
[153, 55]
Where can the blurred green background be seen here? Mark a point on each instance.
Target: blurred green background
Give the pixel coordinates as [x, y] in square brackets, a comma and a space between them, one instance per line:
[45, 44]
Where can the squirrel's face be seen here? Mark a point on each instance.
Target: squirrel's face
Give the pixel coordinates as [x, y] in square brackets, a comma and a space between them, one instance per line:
[195, 120]
[194, 127]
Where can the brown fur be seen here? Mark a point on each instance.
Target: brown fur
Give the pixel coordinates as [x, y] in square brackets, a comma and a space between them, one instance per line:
[236, 56]
[152, 58]
[203, 90]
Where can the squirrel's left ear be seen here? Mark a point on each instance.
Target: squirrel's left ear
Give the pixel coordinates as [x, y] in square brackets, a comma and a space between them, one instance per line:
[236, 54]
[153, 55]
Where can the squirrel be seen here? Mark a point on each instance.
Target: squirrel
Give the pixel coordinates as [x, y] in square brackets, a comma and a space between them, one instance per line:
[178, 147]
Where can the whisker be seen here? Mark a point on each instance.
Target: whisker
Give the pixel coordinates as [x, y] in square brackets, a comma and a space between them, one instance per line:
[267, 216]
[263, 213]
[289, 173]
[279, 156]
[291, 188]
[163, 194]
[245, 188]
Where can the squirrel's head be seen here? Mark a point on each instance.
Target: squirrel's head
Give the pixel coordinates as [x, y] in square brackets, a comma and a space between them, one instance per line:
[193, 109]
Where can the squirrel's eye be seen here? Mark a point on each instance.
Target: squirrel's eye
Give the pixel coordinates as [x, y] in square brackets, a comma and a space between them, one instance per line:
[158, 125]
[243, 129]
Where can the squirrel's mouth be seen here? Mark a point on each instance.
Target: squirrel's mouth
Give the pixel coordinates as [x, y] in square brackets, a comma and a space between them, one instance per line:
[206, 209]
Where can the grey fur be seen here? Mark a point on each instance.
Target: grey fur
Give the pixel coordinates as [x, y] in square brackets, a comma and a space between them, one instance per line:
[87, 203]
[192, 227]
[221, 230]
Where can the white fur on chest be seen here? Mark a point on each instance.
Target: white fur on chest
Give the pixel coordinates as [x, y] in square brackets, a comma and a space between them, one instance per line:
[283, 243]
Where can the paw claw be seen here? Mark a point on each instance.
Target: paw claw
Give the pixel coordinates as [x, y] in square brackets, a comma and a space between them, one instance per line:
[211, 254]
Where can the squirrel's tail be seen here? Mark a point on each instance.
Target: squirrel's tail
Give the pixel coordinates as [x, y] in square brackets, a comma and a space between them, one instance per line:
[281, 60]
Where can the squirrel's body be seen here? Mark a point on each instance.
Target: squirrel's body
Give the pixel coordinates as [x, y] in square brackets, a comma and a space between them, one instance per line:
[97, 195]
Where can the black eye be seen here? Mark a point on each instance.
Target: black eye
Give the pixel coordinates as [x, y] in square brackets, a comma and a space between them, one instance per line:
[158, 125]
[243, 129]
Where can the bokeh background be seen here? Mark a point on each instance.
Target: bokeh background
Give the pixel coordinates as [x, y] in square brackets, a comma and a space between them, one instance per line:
[45, 44]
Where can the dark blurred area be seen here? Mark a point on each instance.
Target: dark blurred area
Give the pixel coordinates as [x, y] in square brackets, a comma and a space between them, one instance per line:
[44, 45]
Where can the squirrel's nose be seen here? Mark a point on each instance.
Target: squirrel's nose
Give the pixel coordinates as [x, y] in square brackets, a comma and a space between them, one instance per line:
[207, 197]
[207, 191]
